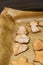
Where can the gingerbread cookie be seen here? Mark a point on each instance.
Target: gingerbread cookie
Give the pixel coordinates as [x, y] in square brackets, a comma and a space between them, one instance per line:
[38, 44]
[35, 29]
[41, 23]
[39, 56]
[21, 61]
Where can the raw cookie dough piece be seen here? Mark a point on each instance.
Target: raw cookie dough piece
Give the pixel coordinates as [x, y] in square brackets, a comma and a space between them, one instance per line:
[33, 23]
[41, 23]
[39, 57]
[35, 29]
[21, 61]
[22, 39]
[19, 48]
[38, 44]
[22, 30]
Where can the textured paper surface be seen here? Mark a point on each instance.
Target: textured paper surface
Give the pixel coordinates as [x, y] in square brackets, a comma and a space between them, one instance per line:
[8, 28]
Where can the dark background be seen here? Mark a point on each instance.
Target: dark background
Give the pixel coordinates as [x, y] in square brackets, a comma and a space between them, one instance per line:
[32, 5]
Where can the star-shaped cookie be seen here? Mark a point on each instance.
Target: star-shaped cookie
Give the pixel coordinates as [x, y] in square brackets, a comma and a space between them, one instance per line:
[19, 48]
[22, 39]
[22, 30]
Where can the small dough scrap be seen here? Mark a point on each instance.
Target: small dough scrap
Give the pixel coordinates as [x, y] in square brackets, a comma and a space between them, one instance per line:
[22, 39]
[19, 48]
[38, 44]
[21, 61]
[35, 29]
[39, 57]
[22, 30]
[33, 23]
[41, 23]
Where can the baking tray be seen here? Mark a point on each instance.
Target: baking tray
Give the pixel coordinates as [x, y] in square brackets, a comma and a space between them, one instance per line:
[8, 27]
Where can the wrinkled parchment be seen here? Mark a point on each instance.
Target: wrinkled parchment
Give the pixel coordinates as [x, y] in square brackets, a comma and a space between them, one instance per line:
[6, 30]
[8, 25]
